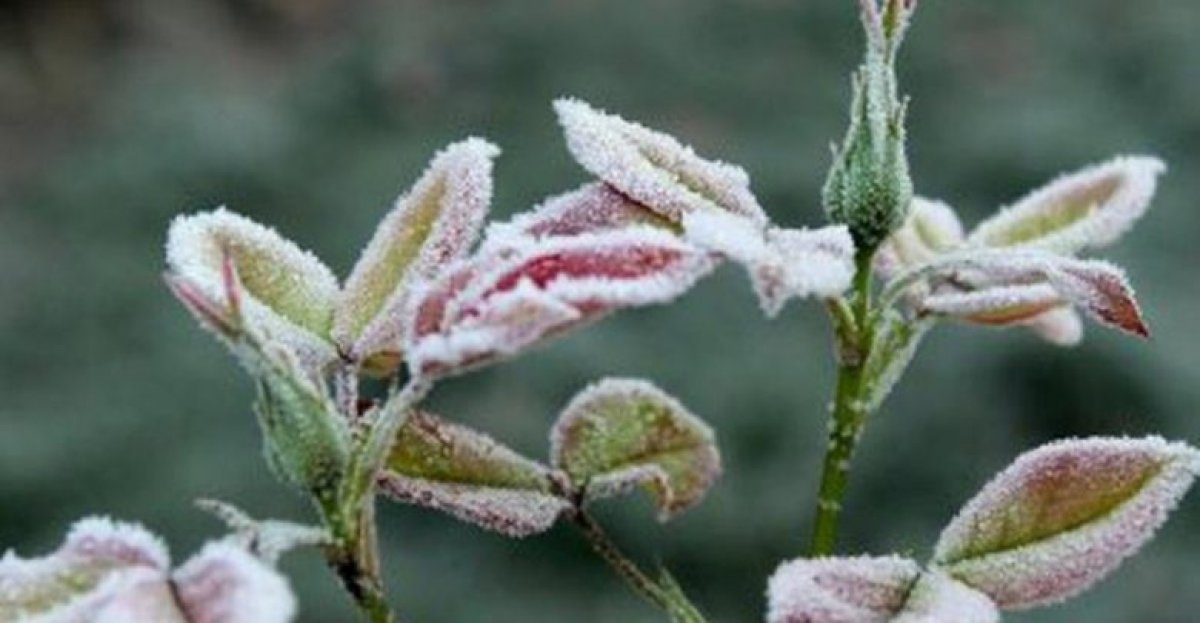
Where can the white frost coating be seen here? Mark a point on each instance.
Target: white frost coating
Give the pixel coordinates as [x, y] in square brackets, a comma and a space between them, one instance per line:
[1060, 326]
[290, 294]
[937, 598]
[840, 590]
[102, 539]
[540, 288]
[931, 229]
[430, 226]
[998, 305]
[782, 263]
[223, 583]
[651, 167]
[133, 596]
[1087, 209]
[590, 208]
[1065, 515]
[515, 513]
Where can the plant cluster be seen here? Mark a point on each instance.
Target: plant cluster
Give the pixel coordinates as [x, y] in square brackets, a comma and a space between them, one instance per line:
[437, 294]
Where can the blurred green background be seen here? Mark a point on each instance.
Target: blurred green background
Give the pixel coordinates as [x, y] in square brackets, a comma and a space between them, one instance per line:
[312, 115]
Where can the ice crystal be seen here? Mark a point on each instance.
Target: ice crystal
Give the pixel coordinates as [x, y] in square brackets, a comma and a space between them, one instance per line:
[432, 225]
[619, 434]
[467, 474]
[1063, 516]
[495, 305]
[653, 168]
[590, 208]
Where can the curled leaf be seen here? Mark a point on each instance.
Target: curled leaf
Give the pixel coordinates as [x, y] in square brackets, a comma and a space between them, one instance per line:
[1064, 516]
[467, 474]
[1060, 326]
[782, 263]
[430, 226]
[590, 208]
[223, 583]
[497, 304]
[653, 168]
[289, 294]
[620, 434]
[1087, 209]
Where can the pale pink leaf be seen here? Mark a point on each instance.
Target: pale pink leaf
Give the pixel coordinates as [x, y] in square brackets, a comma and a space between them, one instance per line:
[1064, 516]
[590, 208]
[938, 598]
[931, 229]
[999, 305]
[840, 590]
[430, 226]
[467, 474]
[289, 295]
[497, 304]
[619, 434]
[653, 168]
[1087, 209]
[1060, 326]
[224, 583]
[131, 596]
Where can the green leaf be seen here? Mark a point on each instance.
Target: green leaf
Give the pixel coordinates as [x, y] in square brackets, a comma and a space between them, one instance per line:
[619, 434]
[467, 474]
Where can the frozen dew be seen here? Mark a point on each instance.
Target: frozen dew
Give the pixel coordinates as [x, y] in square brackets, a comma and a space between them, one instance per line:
[653, 168]
[1087, 209]
[1063, 516]
[462, 472]
[620, 434]
[432, 225]
[1000, 305]
[498, 304]
[590, 208]
[840, 590]
[289, 295]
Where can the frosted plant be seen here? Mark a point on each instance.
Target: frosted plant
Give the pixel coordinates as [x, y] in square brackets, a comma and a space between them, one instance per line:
[438, 293]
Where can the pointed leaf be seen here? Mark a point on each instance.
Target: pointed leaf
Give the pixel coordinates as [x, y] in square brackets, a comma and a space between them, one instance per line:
[467, 474]
[1087, 209]
[653, 168]
[840, 590]
[289, 293]
[1064, 516]
[782, 263]
[497, 305]
[621, 433]
[590, 208]
[432, 225]
[223, 583]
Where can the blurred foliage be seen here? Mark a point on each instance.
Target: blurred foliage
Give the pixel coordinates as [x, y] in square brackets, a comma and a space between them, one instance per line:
[311, 115]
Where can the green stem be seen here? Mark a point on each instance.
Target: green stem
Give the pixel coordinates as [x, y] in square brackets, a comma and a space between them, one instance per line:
[849, 413]
[674, 604]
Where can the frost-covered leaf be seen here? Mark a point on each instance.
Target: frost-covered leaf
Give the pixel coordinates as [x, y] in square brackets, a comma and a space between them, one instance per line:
[782, 263]
[1064, 516]
[467, 474]
[1016, 287]
[839, 590]
[590, 208]
[896, 341]
[1087, 209]
[619, 434]
[1060, 326]
[497, 304]
[871, 590]
[223, 583]
[653, 168]
[266, 539]
[82, 575]
[289, 294]
[430, 226]
[930, 230]
[937, 598]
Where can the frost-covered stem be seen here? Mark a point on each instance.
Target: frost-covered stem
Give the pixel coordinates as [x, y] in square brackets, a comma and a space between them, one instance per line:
[634, 577]
[349, 514]
[849, 411]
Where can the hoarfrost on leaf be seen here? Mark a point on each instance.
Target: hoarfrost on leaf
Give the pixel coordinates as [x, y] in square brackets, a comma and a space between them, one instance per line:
[289, 294]
[1063, 516]
[467, 474]
[619, 434]
[1087, 209]
[224, 583]
[432, 225]
[497, 304]
[653, 168]
[931, 230]
[937, 598]
[840, 590]
[590, 208]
